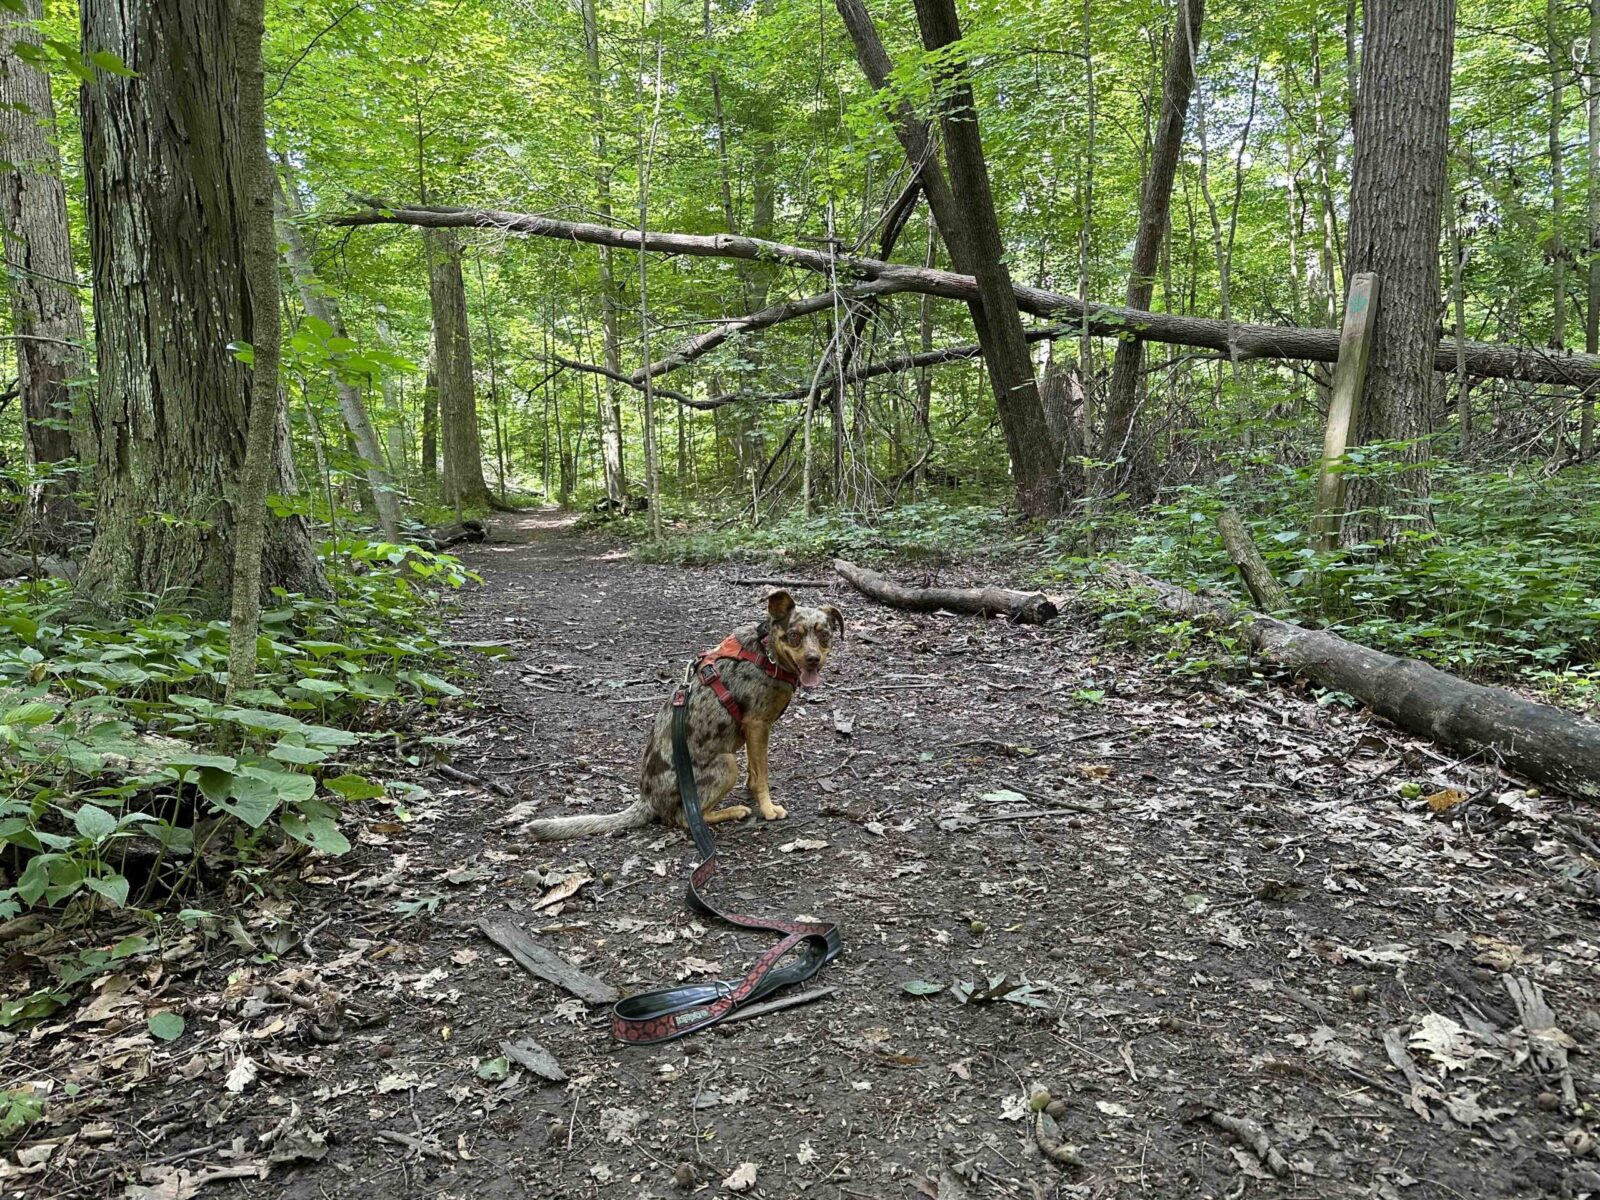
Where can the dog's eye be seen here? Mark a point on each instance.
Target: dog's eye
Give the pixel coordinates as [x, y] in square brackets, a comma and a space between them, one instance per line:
[794, 637]
[822, 636]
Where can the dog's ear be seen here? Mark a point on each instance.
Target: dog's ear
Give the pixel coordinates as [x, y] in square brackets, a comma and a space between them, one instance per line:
[780, 604]
[835, 618]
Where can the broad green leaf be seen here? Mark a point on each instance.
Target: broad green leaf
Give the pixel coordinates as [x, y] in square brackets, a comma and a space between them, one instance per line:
[94, 823]
[353, 787]
[166, 1026]
[112, 887]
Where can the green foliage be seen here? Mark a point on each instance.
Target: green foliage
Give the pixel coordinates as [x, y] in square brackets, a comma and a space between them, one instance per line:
[117, 745]
[19, 1107]
[1506, 585]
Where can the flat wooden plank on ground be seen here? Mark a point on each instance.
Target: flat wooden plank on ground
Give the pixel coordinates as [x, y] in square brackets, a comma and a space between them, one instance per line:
[538, 959]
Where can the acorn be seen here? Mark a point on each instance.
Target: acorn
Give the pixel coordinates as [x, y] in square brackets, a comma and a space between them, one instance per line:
[978, 928]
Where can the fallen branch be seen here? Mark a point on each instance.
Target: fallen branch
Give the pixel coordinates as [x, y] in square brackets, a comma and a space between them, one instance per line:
[1542, 743]
[1238, 340]
[782, 1002]
[1026, 608]
[45, 566]
[442, 537]
[788, 583]
[704, 343]
[1246, 555]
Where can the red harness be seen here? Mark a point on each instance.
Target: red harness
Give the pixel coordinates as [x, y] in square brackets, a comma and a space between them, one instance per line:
[730, 648]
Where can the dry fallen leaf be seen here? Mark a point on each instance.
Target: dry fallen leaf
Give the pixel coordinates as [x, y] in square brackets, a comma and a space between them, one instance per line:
[1447, 799]
[742, 1179]
[802, 844]
[568, 887]
[242, 1075]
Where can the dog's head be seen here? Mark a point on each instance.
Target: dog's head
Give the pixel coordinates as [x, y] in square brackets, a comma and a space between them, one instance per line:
[802, 637]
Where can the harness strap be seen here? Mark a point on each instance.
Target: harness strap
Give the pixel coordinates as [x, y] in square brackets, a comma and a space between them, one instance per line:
[660, 1016]
[731, 648]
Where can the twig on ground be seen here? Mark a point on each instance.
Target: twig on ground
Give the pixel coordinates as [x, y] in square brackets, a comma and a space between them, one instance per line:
[1252, 1135]
[771, 1006]
[780, 582]
[461, 776]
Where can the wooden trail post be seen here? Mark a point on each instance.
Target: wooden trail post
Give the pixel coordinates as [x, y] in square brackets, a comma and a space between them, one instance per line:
[1344, 406]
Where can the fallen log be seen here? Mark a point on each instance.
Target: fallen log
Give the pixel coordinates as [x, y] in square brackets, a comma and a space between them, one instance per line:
[1542, 743]
[1239, 340]
[44, 566]
[468, 532]
[1025, 608]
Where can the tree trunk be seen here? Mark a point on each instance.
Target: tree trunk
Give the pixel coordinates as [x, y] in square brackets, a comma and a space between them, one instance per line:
[1243, 552]
[167, 167]
[46, 313]
[430, 422]
[1016, 394]
[1121, 442]
[1591, 337]
[952, 221]
[1560, 64]
[464, 485]
[266, 337]
[1397, 191]
[613, 464]
[318, 303]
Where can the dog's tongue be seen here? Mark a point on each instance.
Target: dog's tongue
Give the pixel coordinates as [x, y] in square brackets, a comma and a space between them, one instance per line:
[810, 678]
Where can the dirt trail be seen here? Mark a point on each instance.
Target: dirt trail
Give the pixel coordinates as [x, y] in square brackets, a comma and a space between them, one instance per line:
[1211, 899]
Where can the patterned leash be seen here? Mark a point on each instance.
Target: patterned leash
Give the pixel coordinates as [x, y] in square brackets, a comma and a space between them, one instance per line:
[668, 1013]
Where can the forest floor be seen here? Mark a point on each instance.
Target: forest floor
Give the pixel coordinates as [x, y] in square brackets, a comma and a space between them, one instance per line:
[1201, 898]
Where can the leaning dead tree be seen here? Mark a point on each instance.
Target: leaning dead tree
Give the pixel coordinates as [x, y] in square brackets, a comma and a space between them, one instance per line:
[1241, 341]
[1537, 741]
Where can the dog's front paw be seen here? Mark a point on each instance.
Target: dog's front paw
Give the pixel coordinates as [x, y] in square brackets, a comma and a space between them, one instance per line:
[773, 812]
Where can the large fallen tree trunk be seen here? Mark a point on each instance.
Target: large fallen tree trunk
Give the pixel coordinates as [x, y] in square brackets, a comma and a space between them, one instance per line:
[1551, 747]
[1026, 608]
[1488, 360]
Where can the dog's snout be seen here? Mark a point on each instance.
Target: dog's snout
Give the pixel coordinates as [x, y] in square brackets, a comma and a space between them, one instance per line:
[813, 660]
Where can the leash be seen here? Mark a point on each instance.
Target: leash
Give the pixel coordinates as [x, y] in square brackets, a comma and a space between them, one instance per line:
[667, 1013]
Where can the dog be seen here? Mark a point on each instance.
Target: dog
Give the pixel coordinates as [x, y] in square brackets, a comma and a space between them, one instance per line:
[793, 642]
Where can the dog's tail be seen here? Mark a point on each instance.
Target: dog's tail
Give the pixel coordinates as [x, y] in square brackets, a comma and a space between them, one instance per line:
[635, 816]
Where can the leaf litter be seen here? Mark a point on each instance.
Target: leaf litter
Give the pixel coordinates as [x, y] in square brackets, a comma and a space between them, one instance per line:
[1227, 892]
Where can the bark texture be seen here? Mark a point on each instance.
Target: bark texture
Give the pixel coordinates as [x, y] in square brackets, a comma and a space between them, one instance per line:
[1016, 393]
[1396, 205]
[463, 483]
[1026, 608]
[166, 167]
[266, 341]
[46, 311]
[1121, 442]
